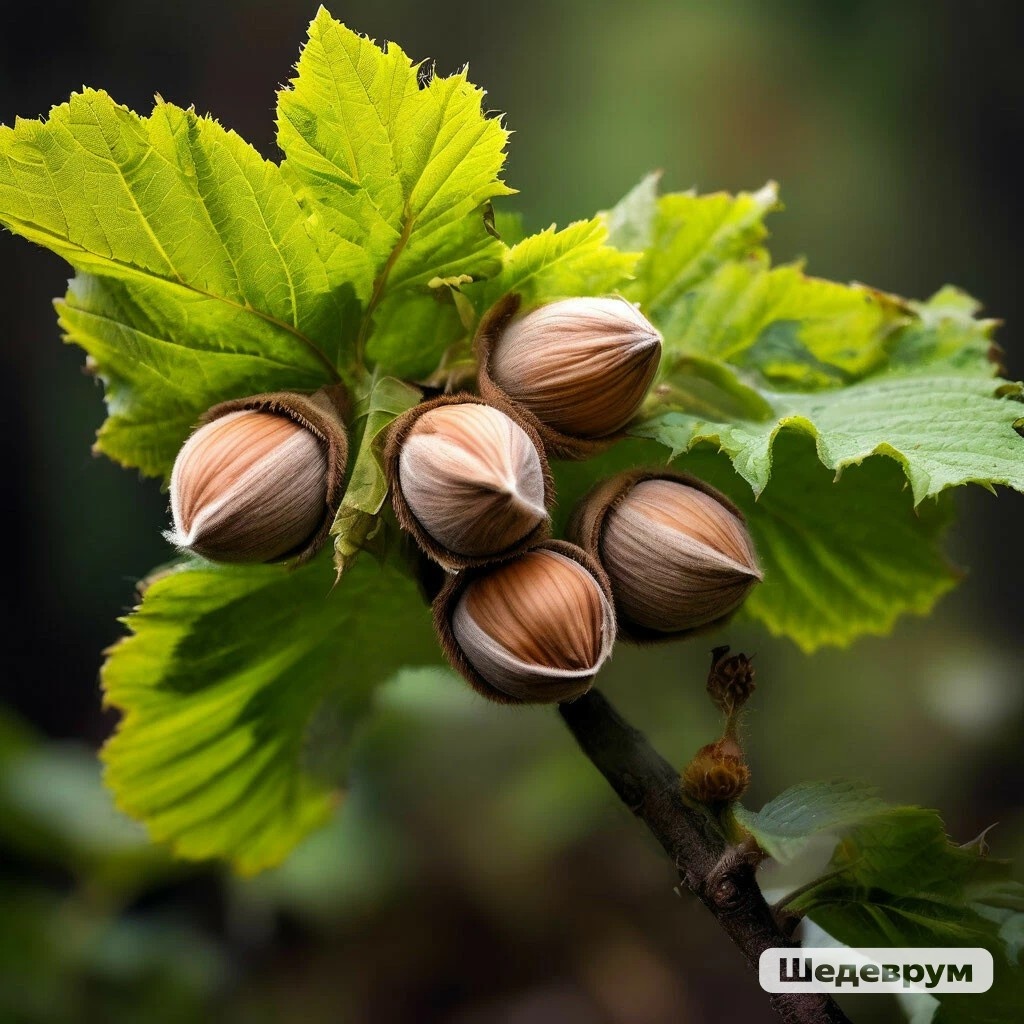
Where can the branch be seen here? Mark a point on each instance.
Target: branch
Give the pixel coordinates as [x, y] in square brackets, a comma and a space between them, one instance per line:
[720, 875]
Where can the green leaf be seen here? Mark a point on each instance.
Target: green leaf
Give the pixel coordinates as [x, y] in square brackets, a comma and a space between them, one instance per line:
[631, 221]
[220, 683]
[706, 282]
[367, 487]
[784, 825]
[906, 417]
[794, 330]
[557, 264]
[705, 390]
[946, 336]
[840, 559]
[936, 369]
[868, 375]
[200, 276]
[406, 171]
[166, 358]
[412, 332]
[687, 238]
[895, 879]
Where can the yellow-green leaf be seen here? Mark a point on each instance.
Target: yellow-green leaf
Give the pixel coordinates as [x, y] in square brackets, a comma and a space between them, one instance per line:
[219, 683]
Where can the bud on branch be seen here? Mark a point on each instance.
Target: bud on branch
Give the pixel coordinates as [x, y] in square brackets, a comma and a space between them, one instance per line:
[718, 773]
[730, 681]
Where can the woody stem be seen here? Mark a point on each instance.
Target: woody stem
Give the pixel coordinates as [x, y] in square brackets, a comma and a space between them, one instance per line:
[721, 875]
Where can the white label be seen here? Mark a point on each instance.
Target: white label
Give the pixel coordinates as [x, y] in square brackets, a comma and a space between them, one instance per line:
[842, 969]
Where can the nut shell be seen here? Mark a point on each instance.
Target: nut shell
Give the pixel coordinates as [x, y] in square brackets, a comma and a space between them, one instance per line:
[446, 603]
[397, 436]
[586, 528]
[323, 414]
[558, 445]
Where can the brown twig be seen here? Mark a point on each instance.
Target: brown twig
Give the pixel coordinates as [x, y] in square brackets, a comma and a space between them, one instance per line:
[720, 874]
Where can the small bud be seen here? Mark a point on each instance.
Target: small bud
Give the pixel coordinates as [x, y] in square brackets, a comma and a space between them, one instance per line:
[677, 552]
[730, 680]
[717, 774]
[260, 480]
[582, 367]
[468, 481]
[535, 629]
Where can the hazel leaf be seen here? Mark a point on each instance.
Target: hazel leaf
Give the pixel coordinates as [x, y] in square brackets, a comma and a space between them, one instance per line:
[218, 686]
[706, 389]
[686, 238]
[412, 332]
[841, 558]
[402, 164]
[784, 826]
[895, 879]
[946, 335]
[367, 490]
[706, 281]
[200, 277]
[631, 222]
[165, 358]
[904, 417]
[553, 264]
[792, 329]
[938, 370]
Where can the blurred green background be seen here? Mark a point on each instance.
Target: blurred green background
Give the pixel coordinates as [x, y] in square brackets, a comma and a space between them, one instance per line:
[480, 872]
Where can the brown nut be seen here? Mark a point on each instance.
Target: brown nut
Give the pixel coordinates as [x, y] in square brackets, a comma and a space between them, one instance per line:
[534, 629]
[260, 480]
[677, 551]
[469, 481]
[581, 367]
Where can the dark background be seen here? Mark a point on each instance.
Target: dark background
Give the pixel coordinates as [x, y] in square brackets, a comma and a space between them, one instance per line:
[485, 875]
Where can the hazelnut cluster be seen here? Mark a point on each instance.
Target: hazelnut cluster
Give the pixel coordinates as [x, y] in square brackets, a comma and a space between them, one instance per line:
[650, 554]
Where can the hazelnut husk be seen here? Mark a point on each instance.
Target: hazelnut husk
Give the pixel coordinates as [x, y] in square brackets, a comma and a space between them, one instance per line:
[675, 571]
[261, 477]
[580, 368]
[548, 630]
[489, 502]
